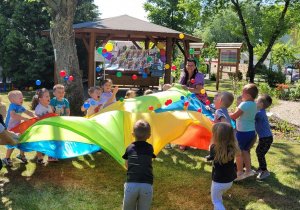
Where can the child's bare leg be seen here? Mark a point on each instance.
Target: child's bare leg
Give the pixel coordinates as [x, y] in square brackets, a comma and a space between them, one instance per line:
[239, 163]
[8, 153]
[40, 155]
[247, 159]
[22, 153]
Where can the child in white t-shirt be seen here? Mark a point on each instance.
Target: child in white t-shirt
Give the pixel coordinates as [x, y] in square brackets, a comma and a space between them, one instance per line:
[107, 95]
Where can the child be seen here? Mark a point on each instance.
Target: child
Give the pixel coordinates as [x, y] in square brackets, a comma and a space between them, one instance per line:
[245, 115]
[107, 96]
[40, 103]
[238, 100]
[223, 151]
[222, 102]
[13, 119]
[166, 87]
[148, 92]
[2, 108]
[138, 190]
[263, 130]
[59, 104]
[130, 94]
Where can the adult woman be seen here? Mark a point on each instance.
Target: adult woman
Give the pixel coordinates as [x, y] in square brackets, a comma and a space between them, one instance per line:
[190, 73]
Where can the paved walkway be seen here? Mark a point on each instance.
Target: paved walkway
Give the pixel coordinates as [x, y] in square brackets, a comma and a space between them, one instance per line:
[288, 110]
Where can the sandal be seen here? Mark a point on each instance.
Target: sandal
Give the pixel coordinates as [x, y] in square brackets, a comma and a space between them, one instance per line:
[23, 158]
[8, 162]
[40, 161]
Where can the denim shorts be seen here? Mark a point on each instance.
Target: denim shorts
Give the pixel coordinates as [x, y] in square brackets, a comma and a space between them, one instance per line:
[244, 139]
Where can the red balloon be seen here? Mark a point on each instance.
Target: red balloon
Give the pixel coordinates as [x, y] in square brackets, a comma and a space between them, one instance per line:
[173, 67]
[62, 73]
[199, 110]
[134, 77]
[150, 108]
[71, 78]
[162, 52]
[169, 101]
[104, 50]
[186, 103]
[192, 80]
[207, 102]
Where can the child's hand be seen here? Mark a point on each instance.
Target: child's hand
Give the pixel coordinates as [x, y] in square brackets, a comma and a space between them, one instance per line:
[25, 119]
[116, 89]
[207, 108]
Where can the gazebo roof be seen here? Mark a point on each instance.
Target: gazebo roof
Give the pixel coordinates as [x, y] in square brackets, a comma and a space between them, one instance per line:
[125, 27]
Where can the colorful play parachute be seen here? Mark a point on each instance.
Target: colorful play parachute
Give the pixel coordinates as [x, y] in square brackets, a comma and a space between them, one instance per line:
[65, 137]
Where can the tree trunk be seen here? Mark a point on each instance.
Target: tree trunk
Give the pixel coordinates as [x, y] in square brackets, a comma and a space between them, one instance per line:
[63, 41]
[251, 68]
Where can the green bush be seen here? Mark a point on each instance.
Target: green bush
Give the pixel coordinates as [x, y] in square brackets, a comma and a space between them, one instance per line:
[294, 93]
[273, 77]
[265, 89]
[213, 77]
[231, 75]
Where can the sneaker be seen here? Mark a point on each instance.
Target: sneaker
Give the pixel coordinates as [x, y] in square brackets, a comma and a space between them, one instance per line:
[258, 171]
[263, 174]
[240, 177]
[51, 159]
[249, 173]
[40, 161]
[168, 146]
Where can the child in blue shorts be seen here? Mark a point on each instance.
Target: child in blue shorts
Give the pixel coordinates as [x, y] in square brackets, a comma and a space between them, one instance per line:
[245, 123]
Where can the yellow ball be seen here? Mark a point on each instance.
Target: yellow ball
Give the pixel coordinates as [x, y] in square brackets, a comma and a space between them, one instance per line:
[160, 45]
[153, 112]
[202, 91]
[30, 88]
[181, 36]
[167, 66]
[109, 47]
[158, 106]
[184, 108]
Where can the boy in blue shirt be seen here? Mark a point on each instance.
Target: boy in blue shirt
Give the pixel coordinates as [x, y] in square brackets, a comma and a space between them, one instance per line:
[59, 104]
[263, 130]
[245, 123]
[138, 190]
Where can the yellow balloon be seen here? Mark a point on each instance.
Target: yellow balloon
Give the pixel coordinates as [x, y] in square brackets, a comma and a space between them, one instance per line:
[184, 108]
[109, 47]
[181, 36]
[167, 66]
[202, 91]
[158, 106]
[160, 45]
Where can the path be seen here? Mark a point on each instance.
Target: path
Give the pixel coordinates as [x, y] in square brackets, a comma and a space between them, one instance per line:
[287, 110]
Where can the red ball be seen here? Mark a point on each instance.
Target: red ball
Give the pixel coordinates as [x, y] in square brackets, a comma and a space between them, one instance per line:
[134, 77]
[166, 103]
[169, 101]
[186, 103]
[26, 88]
[207, 102]
[199, 110]
[62, 73]
[104, 50]
[71, 78]
[151, 108]
[192, 80]
[173, 67]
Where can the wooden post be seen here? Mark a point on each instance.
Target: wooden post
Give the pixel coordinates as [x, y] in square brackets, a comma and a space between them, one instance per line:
[167, 79]
[91, 76]
[218, 70]
[147, 42]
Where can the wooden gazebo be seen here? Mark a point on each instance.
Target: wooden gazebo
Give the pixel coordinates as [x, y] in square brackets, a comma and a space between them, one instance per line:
[126, 28]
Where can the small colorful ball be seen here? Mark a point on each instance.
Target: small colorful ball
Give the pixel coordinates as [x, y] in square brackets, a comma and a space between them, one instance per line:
[62, 73]
[193, 81]
[144, 75]
[191, 51]
[153, 112]
[173, 67]
[66, 78]
[202, 91]
[207, 102]
[181, 36]
[86, 105]
[38, 82]
[71, 78]
[150, 108]
[169, 101]
[189, 95]
[186, 103]
[184, 108]
[119, 74]
[167, 66]
[121, 99]
[134, 77]
[158, 106]
[149, 59]
[182, 97]
[199, 110]
[193, 95]
[98, 69]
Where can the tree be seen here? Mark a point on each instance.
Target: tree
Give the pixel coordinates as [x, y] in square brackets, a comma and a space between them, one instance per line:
[63, 41]
[264, 23]
[210, 53]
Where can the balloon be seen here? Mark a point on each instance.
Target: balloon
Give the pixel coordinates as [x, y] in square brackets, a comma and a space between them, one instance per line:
[144, 75]
[162, 52]
[150, 108]
[119, 74]
[193, 95]
[173, 67]
[109, 56]
[104, 51]
[98, 69]
[186, 103]
[167, 66]
[160, 45]
[163, 59]
[182, 97]
[193, 81]
[202, 91]
[184, 108]
[66, 78]
[199, 110]
[38, 82]
[109, 47]
[181, 36]
[62, 73]
[99, 50]
[71, 78]
[158, 55]
[149, 59]
[158, 106]
[134, 77]
[192, 51]
[86, 105]
[207, 102]
[105, 54]
[121, 99]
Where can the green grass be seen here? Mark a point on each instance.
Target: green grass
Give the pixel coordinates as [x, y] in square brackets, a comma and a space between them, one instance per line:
[181, 181]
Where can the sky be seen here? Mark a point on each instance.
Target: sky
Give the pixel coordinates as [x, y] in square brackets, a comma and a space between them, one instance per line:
[113, 8]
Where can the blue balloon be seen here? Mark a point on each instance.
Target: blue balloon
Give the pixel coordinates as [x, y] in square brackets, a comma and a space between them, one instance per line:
[38, 82]
[105, 54]
[144, 75]
[86, 105]
[66, 78]
[193, 95]
[98, 69]
[182, 97]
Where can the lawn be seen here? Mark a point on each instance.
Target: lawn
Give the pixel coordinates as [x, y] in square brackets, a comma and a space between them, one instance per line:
[181, 180]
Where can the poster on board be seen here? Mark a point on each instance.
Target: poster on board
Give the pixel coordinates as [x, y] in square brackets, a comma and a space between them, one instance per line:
[228, 57]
